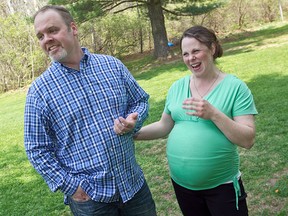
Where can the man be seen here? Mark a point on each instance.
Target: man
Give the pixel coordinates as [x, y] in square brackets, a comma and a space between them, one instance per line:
[80, 118]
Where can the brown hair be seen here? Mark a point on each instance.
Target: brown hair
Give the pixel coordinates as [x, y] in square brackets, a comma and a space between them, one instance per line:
[63, 12]
[205, 36]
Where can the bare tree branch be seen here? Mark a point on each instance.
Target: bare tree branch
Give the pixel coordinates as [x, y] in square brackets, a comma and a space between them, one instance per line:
[176, 13]
[134, 6]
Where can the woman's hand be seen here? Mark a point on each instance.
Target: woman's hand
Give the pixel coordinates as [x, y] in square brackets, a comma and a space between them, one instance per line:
[240, 130]
[199, 107]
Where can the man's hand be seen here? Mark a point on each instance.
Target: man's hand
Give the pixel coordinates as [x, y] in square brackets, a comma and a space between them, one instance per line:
[122, 126]
[80, 195]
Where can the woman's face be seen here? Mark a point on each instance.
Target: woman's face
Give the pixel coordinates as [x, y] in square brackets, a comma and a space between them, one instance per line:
[197, 56]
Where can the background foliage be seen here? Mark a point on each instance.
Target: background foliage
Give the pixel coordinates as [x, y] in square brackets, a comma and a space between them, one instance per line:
[121, 34]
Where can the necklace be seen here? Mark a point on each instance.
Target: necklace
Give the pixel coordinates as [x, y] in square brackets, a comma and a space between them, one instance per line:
[208, 88]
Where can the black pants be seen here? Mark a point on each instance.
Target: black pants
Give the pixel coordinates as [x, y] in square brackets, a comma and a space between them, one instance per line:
[219, 201]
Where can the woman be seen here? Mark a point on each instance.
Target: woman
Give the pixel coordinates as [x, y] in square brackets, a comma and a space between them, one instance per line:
[207, 115]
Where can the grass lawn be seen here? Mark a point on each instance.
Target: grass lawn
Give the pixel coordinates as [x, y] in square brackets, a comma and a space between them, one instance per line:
[257, 57]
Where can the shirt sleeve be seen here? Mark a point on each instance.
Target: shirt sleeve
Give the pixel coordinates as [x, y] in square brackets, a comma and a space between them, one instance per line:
[244, 102]
[39, 145]
[137, 98]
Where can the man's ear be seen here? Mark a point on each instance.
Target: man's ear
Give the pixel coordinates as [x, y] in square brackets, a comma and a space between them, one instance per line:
[74, 28]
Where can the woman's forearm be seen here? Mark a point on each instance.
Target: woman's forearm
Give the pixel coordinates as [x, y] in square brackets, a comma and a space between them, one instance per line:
[156, 130]
[240, 131]
[151, 131]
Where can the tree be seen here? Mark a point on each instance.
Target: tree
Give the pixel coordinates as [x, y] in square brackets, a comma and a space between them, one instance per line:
[281, 11]
[25, 7]
[88, 9]
[20, 58]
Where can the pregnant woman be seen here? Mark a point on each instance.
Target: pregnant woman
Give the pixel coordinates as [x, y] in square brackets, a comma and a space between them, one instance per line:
[207, 115]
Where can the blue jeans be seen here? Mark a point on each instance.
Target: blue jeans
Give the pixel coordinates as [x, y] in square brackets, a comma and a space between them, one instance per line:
[141, 204]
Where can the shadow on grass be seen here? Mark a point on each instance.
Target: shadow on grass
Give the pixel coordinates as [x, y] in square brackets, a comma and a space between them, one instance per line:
[270, 95]
[155, 111]
[270, 92]
[242, 40]
[178, 66]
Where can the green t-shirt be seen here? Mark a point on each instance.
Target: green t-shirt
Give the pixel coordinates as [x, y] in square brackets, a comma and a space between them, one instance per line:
[199, 154]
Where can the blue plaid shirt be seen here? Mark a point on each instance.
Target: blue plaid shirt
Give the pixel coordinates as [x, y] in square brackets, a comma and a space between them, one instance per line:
[69, 137]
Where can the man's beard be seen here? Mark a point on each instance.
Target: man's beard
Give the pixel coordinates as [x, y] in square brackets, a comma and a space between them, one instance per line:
[59, 56]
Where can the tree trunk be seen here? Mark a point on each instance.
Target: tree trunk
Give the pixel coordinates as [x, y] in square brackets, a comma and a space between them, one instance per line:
[140, 31]
[9, 5]
[159, 33]
[141, 40]
[281, 12]
[94, 42]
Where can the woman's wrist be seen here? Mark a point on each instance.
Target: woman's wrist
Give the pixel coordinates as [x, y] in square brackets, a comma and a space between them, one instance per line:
[135, 135]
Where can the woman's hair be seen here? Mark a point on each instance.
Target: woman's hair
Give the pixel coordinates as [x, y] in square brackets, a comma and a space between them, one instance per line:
[204, 36]
[63, 12]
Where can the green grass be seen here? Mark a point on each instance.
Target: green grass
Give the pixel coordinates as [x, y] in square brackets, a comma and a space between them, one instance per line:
[257, 57]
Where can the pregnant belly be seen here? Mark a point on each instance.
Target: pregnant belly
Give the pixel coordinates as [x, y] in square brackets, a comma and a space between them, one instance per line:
[201, 158]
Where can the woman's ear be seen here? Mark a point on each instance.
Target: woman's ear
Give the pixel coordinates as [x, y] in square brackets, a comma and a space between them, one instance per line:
[213, 48]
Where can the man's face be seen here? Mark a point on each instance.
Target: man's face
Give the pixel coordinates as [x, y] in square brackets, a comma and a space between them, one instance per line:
[56, 38]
